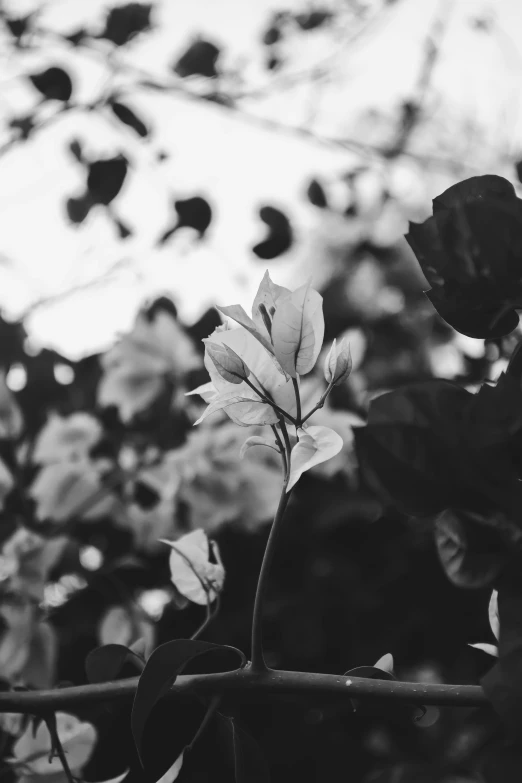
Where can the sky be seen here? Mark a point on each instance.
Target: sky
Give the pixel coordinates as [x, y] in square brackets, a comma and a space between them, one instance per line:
[239, 164]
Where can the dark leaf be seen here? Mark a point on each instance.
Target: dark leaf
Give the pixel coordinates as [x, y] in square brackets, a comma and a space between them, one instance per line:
[105, 663]
[128, 117]
[272, 35]
[78, 37]
[469, 252]
[313, 20]
[200, 59]
[53, 83]
[316, 194]
[161, 670]
[249, 762]
[273, 63]
[194, 213]
[123, 229]
[125, 22]
[106, 178]
[25, 125]
[78, 208]
[472, 553]
[17, 26]
[279, 237]
[75, 148]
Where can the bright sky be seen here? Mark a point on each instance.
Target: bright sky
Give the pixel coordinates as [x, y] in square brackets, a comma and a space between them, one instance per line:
[217, 154]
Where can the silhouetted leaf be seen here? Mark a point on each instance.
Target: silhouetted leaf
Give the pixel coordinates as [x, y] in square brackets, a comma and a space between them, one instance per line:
[279, 237]
[25, 125]
[123, 229]
[53, 83]
[78, 208]
[194, 213]
[199, 59]
[316, 194]
[161, 670]
[471, 552]
[313, 19]
[128, 117]
[105, 663]
[18, 26]
[272, 35]
[75, 148]
[125, 22]
[470, 252]
[106, 178]
[78, 37]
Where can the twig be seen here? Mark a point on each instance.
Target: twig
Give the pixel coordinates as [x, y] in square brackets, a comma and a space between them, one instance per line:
[246, 683]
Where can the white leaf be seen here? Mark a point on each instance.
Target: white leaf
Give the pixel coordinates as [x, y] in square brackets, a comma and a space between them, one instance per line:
[78, 739]
[490, 649]
[66, 437]
[493, 614]
[252, 411]
[316, 445]
[229, 365]
[191, 571]
[207, 391]
[238, 314]
[268, 295]
[172, 773]
[256, 440]
[298, 330]
[117, 779]
[385, 663]
[338, 363]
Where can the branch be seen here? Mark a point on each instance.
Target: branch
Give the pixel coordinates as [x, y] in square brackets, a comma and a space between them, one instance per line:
[245, 684]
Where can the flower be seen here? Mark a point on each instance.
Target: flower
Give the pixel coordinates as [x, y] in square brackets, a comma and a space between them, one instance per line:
[192, 573]
[26, 560]
[220, 487]
[469, 251]
[137, 367]
[251, 365]
[33, 749]
[66, 489]
[66, 438]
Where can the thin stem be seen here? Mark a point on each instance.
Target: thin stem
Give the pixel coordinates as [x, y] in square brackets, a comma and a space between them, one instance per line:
[270, 402]
[295, 383]
[212, 707]
[208, 619]
[281, 449]
[319, 405]
[258, 660]
[57, 746]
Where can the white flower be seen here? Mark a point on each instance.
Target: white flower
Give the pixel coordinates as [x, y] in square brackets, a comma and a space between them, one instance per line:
[192, 573]
[136, 368]
[63, 489]
[66, 438]
[34, 748]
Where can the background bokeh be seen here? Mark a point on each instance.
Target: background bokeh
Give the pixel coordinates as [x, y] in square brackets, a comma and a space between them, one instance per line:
[154, 161]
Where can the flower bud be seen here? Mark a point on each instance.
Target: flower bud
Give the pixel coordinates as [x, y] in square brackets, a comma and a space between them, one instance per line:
[338, 363]
[228, 363]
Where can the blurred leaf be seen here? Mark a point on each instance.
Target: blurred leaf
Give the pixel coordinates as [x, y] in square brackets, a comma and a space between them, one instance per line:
[316, 194]
[125, 22]
[472, 554]
[279, 237]
[105, 663]
[194, 213]
[313, 19]
[106, 178]
[53, 83]
[128, 117]
[78, 37]
[199, 59]
[75, 148]
[272, 35]
[78, 208]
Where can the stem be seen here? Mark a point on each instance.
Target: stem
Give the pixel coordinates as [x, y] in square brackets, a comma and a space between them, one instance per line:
[258, 660]
[57, 746]
[295, 383]
[208, 619]
[281, 448]
[320, 404]
[270, 402]
[322, 688]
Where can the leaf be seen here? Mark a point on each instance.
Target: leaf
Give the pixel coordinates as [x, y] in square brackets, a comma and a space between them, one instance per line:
[250, 765]
[53, 83]
[238, 314]
[161, 670]
[316, 195]
[105, 663]
[494, 621]
[191, 571]
[313, 19]
[78, 739]
[338, 363]
[257, 440]
[280, 234]
[298, 330]
[105, 179]
[78, 208]
[194, 213]
[266, 299]
[128, 117]
[125, 22]
[316, 445]
[472, 555]
[489, 649]
[229, 365]
[200, 59]
[385, 663]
